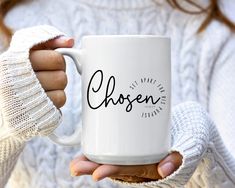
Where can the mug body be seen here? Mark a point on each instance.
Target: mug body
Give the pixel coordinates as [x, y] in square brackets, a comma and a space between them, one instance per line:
[126, 98]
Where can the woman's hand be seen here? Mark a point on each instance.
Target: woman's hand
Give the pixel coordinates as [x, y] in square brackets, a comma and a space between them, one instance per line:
[49, 67]
[140, 173]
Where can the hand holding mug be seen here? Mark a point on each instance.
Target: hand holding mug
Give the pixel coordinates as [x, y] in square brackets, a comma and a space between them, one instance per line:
[138, 173]
[49, 67]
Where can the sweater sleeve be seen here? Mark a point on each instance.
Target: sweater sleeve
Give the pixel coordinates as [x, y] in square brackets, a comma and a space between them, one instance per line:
[222, 107]
[217, 168]
[196, 138]
[25, 109]
[222, 93]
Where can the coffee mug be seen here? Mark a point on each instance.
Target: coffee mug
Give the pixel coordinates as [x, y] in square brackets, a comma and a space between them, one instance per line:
[126, 98]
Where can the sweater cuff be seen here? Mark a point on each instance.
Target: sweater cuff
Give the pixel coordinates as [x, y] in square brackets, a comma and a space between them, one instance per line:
[180, 177]
[190, 137]
[26, 109]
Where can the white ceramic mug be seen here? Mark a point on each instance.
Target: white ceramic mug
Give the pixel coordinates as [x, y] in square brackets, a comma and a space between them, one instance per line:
[126, 94]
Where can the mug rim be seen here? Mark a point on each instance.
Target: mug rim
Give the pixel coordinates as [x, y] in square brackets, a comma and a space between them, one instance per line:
[126, 36]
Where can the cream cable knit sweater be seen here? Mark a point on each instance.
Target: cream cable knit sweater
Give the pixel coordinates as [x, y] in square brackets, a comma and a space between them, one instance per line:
[202, 70]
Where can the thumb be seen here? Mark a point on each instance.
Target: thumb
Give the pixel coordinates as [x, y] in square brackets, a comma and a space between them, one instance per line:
[170, 164]
[59, 42]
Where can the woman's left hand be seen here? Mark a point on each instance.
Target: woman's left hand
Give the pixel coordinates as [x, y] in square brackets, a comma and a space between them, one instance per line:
[138, 173]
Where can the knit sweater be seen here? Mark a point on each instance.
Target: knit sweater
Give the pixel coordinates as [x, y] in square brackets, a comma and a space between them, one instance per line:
[202, 71]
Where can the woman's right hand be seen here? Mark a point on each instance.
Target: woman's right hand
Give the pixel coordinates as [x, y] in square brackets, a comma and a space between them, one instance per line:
[49, 67]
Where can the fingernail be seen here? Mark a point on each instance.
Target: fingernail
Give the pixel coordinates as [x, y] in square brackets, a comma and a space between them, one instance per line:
[65, 38]
[68, 40]
[166, 169]
[74, 174]
[95, 178]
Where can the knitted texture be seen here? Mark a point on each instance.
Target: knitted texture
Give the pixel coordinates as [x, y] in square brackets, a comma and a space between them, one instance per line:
[198, 62]
[25, 108]
[196, 137]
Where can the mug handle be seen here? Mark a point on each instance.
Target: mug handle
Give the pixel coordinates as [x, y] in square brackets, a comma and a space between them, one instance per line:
[75, 138]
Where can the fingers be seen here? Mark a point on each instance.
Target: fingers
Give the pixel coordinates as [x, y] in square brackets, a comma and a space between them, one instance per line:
[105, 171]
[47, 60]
[79, 158]
[141, 171]
[138, 173]
[52, 80]
[49, 67]
[58, 97]
[60, 42]
[168, 165]
[82, 166]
